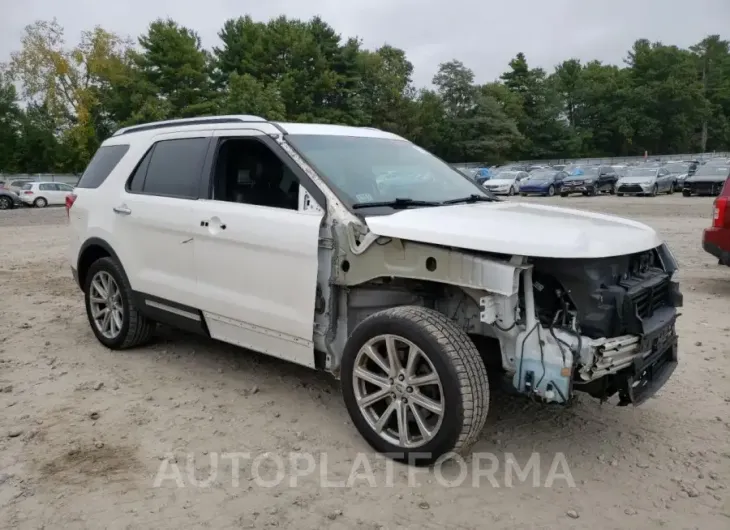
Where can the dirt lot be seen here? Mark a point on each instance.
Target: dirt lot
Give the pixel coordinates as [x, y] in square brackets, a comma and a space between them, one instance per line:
[84, 431]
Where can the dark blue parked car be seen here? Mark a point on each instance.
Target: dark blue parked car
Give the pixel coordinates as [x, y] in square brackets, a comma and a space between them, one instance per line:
[545, 182]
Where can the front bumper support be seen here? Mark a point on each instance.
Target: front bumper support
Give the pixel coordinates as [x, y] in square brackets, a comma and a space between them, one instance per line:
[647, 376]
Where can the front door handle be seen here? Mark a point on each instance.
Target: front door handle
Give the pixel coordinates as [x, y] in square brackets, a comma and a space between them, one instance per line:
[122, 210]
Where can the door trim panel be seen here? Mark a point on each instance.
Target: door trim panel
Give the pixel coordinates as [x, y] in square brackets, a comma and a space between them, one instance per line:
[171, 313]
[270, 342]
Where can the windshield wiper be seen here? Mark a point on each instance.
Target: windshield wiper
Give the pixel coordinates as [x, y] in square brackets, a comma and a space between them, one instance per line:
[396, 203]
[471, 199]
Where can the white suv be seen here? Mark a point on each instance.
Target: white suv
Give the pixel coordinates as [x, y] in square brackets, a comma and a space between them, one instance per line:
[354, 251]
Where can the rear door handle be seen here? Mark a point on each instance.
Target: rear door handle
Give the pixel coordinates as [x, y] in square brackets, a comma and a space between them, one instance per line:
[122, 210]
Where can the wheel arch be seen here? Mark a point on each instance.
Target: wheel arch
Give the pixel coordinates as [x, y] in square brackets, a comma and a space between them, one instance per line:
[92, 250]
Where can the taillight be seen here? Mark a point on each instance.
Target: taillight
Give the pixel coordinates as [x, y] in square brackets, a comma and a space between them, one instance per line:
[27, 193]
[70, 199]
[721, 213]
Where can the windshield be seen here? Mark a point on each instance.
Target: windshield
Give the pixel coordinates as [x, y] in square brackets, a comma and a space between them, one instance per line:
[539, 176]
[712, 171]
[584, 172]
[642, 172]
[677, 168]
[363, 169]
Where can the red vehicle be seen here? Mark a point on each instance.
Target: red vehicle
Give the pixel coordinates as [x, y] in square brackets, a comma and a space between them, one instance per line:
[716, 239]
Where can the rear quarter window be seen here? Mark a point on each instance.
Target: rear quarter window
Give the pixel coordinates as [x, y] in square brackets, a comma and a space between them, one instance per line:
[27, 186]
[105, 160]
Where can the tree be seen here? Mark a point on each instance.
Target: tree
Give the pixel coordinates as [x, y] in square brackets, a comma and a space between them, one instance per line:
[174, 62]
[546, 134]
[246, 95]
[9, 126]
[713, 57]
[65, 81]
[71, 96]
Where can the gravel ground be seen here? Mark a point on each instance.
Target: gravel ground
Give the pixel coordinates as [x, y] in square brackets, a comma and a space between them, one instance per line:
[85, 432]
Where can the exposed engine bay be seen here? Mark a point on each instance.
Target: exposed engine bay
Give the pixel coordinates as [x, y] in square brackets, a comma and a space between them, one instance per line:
[603, 326]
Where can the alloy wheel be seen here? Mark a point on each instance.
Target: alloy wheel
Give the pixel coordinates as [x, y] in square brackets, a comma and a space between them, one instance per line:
[107, 309]
[398, 391]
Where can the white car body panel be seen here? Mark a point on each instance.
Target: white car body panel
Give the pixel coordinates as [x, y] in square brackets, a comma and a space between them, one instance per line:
[519, 229]
[257, 278]
[155, 245]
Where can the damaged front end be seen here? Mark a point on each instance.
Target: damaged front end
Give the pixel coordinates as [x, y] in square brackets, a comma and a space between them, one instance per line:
[602, 326]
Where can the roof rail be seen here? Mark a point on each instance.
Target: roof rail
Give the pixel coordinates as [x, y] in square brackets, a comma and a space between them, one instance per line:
[209, 120]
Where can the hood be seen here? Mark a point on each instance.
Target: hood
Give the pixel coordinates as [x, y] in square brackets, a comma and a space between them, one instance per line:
[540, 182]
[573, 178]
[707, 178]
[500, 182]
[636, 180]
[526, 229]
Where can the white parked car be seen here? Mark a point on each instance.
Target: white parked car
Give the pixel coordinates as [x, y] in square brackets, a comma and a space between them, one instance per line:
[278, 237]
[41, 194]
[506, 182]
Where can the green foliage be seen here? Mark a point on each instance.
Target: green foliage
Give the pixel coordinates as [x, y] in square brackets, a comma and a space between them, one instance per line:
[663, 99]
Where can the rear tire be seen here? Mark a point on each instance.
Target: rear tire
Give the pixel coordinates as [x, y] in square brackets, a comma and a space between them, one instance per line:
[40, 202]
[563, 194]
[670, 191]
[619, 194]
[442, 352]
[686, 193]
[134, 329]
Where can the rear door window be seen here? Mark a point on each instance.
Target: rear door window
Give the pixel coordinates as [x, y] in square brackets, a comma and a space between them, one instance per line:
[175, 168]
[105, 160]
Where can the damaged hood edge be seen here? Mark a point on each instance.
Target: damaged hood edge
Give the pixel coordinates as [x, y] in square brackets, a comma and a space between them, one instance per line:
[518, 229]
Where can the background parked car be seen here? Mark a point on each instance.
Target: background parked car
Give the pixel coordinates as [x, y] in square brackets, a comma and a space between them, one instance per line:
[645, 181]
[709, 178]
[590, 180]
[505, 182]
[545, 182]
[8, 200]
[680, 171]
[17, 185]
[41, 194]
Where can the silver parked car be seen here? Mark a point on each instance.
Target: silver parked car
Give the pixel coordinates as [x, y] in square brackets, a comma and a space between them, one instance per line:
[645, 181]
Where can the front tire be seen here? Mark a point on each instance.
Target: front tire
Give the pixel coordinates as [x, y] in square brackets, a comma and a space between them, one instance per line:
[6, 203]
[563, 194]
[654, 191]
[686, 193]
[414, 384]
[114, 318]
[551, 191]
[40, 202]
[511, 191]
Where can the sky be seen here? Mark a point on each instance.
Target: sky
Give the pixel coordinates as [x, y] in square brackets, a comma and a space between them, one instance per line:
[484, 34]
